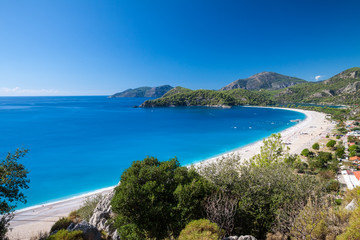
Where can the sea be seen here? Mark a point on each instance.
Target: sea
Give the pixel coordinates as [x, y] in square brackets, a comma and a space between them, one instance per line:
[81, 144]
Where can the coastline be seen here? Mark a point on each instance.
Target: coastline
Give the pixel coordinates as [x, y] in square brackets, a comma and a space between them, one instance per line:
[30, 221]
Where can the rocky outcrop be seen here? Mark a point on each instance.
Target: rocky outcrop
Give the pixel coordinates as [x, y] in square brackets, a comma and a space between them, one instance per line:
[89, 231]
[245, 237]
[352, 205]
[350, 88]
[102, 213]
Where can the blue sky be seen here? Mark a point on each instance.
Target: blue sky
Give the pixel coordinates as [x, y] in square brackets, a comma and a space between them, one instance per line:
[85, 47]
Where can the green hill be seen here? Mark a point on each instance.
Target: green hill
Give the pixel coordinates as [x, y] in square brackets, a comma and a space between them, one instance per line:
[144, 92]
[342, 88]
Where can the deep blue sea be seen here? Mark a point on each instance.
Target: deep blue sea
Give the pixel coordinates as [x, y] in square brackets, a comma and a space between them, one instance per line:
[80, 144]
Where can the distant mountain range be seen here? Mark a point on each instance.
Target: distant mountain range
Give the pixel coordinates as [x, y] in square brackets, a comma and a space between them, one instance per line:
[269, 88]
[144, 92]
[264, 80]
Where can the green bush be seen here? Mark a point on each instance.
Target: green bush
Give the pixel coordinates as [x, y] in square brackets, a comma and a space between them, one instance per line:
[316, 146]
[157, 199]
[66, 235]
[62, 223]
[331, 144]
[305, 152]
[337, 137]
[86, 210]
[200, 230]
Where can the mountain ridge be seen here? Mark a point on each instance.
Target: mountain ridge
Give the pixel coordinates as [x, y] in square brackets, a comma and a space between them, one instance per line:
[264, 80]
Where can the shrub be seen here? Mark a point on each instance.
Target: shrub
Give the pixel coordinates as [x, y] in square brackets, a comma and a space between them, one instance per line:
[316, 146]
[305, 152]
[199, 230]
[337, 137]
[86, 210]
[66, 235]
[157, 199]
[331, 143]
[62, 223]
[353, 230]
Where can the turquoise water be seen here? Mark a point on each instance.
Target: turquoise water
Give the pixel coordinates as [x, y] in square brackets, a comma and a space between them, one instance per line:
[79, 144]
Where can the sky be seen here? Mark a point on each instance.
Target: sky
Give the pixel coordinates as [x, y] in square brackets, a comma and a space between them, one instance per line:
[88, 47]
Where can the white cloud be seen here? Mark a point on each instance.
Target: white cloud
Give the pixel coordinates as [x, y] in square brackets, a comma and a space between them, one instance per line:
[17, 91]
[317, 78]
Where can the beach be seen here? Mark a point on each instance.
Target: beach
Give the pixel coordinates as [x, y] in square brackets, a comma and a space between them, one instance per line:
[30, 221]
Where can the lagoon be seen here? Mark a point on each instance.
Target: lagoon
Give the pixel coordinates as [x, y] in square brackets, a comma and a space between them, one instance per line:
[80, 144]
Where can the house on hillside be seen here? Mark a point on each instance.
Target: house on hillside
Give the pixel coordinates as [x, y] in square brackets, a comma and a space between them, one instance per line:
[352, 178]
[355, 159]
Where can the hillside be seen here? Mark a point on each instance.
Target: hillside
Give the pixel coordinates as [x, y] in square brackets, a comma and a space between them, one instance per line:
[144, 92]
[264, 80]
[187, 97]
[343, 88]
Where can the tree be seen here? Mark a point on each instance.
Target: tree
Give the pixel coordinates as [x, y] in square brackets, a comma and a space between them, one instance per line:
[305, 152]
[265, 191]
[157, 199]
[272, 151]
[316, 146]
[340, 151]
[13, 180]
[331, 143]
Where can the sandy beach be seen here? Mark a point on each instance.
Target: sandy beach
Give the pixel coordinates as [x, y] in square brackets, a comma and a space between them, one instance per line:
[30, 221]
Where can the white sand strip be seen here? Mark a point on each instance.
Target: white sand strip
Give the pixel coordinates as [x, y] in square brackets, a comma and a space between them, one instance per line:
[30, 221]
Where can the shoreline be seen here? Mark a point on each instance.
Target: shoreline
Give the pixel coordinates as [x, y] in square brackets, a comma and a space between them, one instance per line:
[41, 217]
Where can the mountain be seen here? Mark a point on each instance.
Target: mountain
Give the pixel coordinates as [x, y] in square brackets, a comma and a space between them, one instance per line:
[343, 88]
[144, 92]
[264, 80]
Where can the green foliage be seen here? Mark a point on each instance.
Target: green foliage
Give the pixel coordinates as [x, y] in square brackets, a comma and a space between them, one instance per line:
[332, 186]
[273, 151]
[224, 173]
[340, 151]
[354, 150]
[62, 223]
[157, 199]
[305, 152]
[87, 208]
[66, 235]
[322, 161]
[265, 190]
[352, 232]
[13, 179]
[331, 144]
[316, 146]
[200, 230]
[186, 97]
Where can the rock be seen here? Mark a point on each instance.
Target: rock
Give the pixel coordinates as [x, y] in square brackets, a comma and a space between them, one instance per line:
[352, 205]
[102, 214]
[245, 237]
[90, 232]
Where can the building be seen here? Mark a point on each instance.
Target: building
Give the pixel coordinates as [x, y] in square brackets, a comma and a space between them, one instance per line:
[351, 178]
